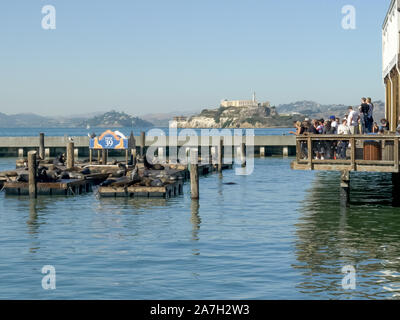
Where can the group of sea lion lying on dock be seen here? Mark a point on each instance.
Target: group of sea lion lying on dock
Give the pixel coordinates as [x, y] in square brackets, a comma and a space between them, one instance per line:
[144, 174]
[114, 175]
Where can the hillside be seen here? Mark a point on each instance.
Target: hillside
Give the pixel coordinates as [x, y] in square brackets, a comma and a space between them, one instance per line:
[115, 119]
[263, 117]
[311, 109]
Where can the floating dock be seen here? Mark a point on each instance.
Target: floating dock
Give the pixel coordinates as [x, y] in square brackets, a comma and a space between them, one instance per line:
[167, 191]
[62, 188]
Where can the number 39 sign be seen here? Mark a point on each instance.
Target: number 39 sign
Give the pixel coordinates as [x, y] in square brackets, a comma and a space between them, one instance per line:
[109, 140]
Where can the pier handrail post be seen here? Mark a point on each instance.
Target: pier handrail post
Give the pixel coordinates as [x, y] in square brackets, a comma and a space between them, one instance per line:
[396, 154]
[220, 150]
[41, 146]
[90, 155]
[298, 149]
[32, 174]
[309, 152]
[70, 155]
[353, 153]
[194, 174]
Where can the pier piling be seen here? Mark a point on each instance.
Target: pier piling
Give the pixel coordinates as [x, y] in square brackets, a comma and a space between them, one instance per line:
[345, 188]
[194, 174]
[70, 155]
[32, 174]
[262, 152]
[142, 143]
[41, 146]
[20, 153]
[220, 155]
[104, 157]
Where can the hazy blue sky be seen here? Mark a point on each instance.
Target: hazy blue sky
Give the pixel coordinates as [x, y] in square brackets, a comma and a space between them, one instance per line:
[160, 56]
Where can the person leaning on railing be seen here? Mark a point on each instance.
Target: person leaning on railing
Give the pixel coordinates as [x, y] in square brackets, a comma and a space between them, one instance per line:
[343, 129]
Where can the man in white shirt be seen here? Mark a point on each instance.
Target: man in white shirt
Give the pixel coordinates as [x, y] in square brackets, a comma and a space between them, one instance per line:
[352, 121]
[342, 145]
[344, 128]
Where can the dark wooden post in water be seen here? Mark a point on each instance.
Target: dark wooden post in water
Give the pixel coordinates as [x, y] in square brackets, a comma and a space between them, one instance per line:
[220, 155]
[142, 143]
[90, 156]
[98, 156]
[345, 188]
[104, 157]
[70, 155]
[41, 146]
[132, 147]
[32, 174]
[194, 174]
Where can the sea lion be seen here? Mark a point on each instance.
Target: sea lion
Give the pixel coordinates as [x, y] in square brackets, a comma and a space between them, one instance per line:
[85, 171]
[156, 183]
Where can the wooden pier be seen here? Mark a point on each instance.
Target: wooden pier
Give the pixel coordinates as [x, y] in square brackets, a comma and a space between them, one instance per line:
[360, 153]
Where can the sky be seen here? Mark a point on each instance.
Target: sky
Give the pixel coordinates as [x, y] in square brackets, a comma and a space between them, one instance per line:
[157, 56]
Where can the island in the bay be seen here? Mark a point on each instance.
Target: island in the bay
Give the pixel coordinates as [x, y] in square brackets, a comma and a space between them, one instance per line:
[229, 114]
[253, 114]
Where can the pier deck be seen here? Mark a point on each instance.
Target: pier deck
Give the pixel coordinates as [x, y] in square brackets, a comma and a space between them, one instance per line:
[364, 153]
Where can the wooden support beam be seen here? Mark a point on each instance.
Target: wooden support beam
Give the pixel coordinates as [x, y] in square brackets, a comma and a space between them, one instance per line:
[32, 174]
[41, 146]
[47, 153]
[20, 153]
[396, 154]
[104, 156]
[220, 155]
[90, 156]
[70, 155]
[262, 152]
[142, 143]
[353, 154]
[194, 174]
[285, 152]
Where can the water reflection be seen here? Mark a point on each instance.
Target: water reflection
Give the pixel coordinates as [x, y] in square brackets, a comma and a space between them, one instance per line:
[195, 219]
[365, 235]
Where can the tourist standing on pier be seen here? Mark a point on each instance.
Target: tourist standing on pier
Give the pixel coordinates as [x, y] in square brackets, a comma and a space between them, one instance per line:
[385, 125]
[352, 121]
[370, 114]
[364, 115]
[375, 128]
[342, 145]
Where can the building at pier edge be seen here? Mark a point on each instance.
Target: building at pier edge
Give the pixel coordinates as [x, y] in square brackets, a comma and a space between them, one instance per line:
[391, 63]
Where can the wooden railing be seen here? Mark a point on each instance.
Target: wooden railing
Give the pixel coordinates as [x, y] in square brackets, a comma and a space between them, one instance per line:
[385, 158]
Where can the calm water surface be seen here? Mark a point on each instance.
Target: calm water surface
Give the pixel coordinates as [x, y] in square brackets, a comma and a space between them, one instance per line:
[276, 234]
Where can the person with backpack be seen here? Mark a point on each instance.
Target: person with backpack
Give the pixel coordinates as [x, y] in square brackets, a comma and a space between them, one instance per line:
[364, 110]
[370, 114]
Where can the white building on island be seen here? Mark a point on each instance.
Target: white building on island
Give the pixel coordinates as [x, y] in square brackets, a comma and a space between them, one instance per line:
[242, 103]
